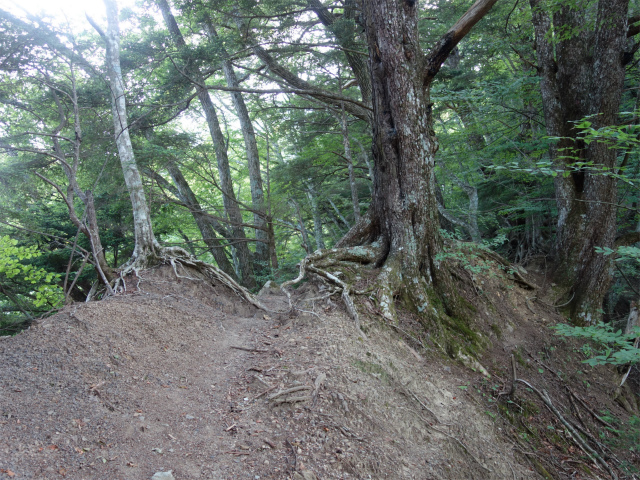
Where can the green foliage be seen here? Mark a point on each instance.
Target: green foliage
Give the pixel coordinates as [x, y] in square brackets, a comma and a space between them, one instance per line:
[617, 348]
[12, 267]
[25, 289]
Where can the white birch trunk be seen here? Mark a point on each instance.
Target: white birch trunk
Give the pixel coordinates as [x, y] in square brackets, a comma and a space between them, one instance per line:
[146, 244]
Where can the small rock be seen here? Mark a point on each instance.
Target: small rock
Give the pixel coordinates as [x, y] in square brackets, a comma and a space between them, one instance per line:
[163, 476]
[189, 417]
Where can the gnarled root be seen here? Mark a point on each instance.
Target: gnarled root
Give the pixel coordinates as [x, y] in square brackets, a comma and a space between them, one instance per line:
[318, 264]
[179, 258]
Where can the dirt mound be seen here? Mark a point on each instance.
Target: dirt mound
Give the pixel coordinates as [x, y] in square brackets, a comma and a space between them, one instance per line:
[179, 375]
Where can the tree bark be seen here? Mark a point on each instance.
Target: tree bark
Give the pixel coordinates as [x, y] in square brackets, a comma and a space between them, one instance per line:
[146, 246]
[306, 244]
[582, 75]
[403, 217]
[230, 203]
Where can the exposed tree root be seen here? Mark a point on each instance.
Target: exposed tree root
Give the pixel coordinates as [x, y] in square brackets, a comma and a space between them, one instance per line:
[179, 258]
[333, 257]
[430, 290]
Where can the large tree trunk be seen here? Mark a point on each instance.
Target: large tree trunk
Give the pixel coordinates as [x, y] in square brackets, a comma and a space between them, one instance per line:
[404, 208]
[583, 75]
[230, 203]
[402, 221]
[146, 246]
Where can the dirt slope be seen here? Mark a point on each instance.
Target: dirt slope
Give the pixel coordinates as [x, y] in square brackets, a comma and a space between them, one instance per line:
[150, 381]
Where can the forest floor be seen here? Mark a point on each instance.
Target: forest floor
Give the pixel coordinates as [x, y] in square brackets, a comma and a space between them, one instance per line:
[177, 375]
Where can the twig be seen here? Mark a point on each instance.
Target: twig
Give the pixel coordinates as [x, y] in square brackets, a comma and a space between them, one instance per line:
[595, 456]
[258, 350]
[278, 401]
[295, 454]
[289, 390]
[422, 404]
[265, 392]
[586, 407]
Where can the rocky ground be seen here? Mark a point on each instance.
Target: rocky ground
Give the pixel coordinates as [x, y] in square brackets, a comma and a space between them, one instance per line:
[181, 376]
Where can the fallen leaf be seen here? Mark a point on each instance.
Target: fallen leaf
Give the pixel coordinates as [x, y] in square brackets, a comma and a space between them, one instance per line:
[62, 471]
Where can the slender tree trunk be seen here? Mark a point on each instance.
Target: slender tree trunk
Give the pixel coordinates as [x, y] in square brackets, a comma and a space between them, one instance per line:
[303, 230]
[203, 221]
[317, 218]
[253, 158]
[352, 177]
[345, 35]
[231, 206]
[579, 76]
[369, 165]
[207, 224]
[146, 246]
[340, 216]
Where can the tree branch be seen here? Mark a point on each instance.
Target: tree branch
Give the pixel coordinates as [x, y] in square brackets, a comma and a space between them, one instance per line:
[449, 40]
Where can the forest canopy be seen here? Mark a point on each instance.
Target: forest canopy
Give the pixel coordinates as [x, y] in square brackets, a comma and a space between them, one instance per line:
[391, 136]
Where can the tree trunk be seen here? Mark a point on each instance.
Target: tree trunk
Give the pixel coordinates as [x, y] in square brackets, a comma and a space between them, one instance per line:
[345, 35]
[582, 75]
[207, 224]
[146, 246]
[317, 218]
[306, 244]
[230, 203]
[403, 216]
[203, 221]
[404, 208]
[253, 158]
[352, 177]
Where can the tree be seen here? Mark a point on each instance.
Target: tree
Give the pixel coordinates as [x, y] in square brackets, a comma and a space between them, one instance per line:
[582, 50]
[230, 202]
[147, 249]
[400, 232]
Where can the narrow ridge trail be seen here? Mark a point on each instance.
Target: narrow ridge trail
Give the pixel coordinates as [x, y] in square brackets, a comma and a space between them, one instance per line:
[179, 375]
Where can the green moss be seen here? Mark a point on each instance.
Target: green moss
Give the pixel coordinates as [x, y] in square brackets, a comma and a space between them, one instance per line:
[519, 358]
[372, 369]
[496, 330]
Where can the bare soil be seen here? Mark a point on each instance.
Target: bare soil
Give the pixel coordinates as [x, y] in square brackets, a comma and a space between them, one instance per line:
[180, 375]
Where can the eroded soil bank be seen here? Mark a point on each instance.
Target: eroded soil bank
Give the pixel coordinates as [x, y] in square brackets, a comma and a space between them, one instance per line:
[182, 376]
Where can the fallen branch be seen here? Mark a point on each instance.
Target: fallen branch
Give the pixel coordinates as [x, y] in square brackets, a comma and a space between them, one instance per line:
[544, 396]
[257, 350]
[289, 390]
[278, 401]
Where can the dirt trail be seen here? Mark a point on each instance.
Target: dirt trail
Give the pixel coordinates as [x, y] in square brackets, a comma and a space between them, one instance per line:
[149, 381]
